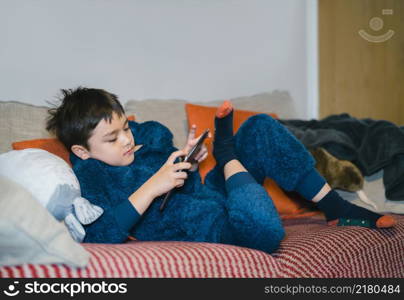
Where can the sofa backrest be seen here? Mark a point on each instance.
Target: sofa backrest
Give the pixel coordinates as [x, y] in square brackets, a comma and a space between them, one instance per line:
[20, 121]
[172, 114]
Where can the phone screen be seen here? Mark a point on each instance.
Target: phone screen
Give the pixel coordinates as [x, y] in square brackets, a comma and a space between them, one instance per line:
[191, 155]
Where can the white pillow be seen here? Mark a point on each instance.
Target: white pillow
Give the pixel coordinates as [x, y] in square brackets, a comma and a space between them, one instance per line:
[53, 183]
[29, 234]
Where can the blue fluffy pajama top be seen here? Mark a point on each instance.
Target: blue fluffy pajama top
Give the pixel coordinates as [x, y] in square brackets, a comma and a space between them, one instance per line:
[243, 216]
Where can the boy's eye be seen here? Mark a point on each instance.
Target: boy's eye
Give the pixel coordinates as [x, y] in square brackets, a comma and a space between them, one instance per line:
[115, 139]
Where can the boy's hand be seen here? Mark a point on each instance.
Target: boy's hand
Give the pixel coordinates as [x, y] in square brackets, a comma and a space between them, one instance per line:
[191, 141]
[169, 176]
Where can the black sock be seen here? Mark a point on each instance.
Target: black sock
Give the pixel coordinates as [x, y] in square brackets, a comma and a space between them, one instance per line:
[223, 144]
[335, 207]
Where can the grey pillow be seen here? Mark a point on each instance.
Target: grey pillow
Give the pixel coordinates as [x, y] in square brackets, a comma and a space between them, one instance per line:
[52, 182]
[30, 234]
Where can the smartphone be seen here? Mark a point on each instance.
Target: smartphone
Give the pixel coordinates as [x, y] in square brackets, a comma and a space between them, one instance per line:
[195, 149]
[190, 157]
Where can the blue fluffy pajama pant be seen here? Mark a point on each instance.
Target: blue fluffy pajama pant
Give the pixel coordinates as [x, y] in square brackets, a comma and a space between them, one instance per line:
[245, 215]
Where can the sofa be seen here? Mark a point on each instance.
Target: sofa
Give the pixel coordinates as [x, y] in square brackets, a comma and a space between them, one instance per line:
[311, 248]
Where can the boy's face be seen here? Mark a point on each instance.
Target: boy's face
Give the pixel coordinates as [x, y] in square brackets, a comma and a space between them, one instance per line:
[112, 143]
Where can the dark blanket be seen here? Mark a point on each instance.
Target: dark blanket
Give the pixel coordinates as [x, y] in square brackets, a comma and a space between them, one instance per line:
[370, 144]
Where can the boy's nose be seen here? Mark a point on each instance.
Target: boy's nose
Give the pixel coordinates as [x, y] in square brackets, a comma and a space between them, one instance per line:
[126, 140]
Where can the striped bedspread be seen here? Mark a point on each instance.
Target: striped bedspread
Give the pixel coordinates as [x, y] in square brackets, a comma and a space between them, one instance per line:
[310, 249]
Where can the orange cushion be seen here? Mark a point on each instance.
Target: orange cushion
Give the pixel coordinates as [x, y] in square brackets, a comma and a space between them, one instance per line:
[203, 118]
[51, 145]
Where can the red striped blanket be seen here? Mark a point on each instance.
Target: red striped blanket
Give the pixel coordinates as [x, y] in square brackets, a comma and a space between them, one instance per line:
[310, 249]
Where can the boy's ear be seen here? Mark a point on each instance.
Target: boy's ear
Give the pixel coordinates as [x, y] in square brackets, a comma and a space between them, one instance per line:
[80, 151]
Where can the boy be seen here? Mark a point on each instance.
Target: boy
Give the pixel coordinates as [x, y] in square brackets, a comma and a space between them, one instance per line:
[127, 167]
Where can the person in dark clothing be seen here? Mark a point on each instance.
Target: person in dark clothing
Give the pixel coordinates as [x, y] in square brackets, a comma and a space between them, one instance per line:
[127, 167]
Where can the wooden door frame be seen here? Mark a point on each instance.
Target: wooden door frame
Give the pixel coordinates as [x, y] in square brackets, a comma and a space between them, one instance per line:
[312, 57]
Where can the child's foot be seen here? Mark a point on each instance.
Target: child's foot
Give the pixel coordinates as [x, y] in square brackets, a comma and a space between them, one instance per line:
[223, 144]
[340, 212]
[223, 110]
[382, 222]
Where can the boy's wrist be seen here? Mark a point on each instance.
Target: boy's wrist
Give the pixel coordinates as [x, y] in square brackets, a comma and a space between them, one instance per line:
[149, 188]
[142, 197]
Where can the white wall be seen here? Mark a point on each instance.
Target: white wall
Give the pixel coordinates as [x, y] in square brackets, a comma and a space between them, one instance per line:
[197, 50]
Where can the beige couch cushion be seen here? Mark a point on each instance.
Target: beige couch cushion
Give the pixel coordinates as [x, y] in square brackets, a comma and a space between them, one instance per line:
[19, 122]
[172, 114]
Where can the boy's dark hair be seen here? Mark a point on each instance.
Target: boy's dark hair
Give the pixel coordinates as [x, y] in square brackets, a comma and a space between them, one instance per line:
[79, 113]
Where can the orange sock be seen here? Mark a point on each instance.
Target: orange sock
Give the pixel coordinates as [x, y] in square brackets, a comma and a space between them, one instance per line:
[385, 222]
[224, 109]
